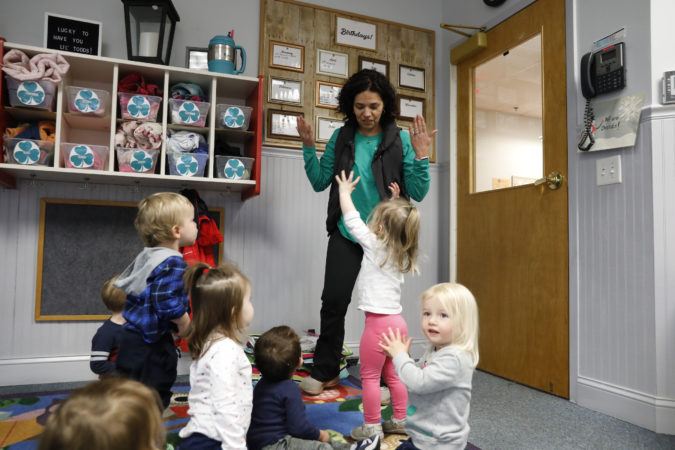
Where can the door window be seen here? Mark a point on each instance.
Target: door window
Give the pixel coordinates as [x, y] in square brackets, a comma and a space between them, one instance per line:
[508, 119]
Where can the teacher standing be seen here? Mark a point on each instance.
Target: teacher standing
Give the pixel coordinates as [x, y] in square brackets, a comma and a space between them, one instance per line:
[375, 149]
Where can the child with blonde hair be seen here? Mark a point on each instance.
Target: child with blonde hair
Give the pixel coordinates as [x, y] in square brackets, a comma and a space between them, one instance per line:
[220, 398]
[106, 342]
[390, 243]
[109, 414]
[156, 304]
[440, 384]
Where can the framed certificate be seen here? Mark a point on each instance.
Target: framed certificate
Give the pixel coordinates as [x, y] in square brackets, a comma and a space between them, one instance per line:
[287, 56]
[281, 90]
[332, 63]
[355, 34]
[411, 77]
[327, 94]
[283, 124]
[325, 126]
[410, 107]
[374, 64]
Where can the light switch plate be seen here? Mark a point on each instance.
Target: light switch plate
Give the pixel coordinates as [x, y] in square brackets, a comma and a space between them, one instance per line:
[608, 170]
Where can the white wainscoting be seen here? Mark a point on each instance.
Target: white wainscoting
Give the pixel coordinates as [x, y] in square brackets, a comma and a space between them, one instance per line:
[278, 239]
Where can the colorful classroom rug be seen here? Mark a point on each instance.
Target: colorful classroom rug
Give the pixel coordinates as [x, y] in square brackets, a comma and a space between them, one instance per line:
[22, 416]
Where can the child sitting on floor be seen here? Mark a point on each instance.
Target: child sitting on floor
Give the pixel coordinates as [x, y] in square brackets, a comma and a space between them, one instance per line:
[279, 420]
[109, 414]
[439, 386]
[220, 373]
[106, 341]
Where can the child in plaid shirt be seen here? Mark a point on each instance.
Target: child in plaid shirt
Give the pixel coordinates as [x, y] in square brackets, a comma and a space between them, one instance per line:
[157, 303]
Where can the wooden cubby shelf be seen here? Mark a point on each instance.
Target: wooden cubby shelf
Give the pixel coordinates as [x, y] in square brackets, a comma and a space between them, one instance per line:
[104, 74]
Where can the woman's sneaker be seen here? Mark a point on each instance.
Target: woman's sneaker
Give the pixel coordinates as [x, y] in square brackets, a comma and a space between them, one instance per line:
[372, 443]
[366, 431]
[394, 426]
[313, 386]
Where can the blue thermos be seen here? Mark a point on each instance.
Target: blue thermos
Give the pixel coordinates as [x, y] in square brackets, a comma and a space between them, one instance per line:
[222, 55]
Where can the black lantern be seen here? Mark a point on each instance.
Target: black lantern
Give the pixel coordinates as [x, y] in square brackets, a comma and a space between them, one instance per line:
[150, 26]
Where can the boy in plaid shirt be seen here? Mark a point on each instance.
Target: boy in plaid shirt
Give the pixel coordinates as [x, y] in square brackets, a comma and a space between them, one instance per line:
[156, 303]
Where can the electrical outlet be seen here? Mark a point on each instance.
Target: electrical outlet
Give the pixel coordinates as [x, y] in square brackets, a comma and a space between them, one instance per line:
[608, 170]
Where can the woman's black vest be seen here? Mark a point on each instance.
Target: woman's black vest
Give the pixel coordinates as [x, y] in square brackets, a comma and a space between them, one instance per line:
[387, 167]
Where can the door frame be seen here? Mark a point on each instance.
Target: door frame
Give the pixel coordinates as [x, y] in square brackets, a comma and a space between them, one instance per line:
[572, 99]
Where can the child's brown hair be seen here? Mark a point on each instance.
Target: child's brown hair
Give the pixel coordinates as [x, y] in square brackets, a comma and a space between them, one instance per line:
[113, 297]
[158, 214]
[396, 223]
[277, 353]
[217, 296]
[109, 414]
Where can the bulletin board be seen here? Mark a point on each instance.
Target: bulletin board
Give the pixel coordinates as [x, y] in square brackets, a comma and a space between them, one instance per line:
[302, 54]
[82, 243]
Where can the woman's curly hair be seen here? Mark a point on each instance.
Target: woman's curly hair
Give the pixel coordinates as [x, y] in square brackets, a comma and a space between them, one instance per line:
[368, 80]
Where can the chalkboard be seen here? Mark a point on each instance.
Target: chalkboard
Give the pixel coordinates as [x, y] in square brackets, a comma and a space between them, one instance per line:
[71, 34]
[81, 244]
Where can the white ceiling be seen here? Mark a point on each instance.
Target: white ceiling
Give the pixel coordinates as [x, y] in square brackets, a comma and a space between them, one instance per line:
[511, 82]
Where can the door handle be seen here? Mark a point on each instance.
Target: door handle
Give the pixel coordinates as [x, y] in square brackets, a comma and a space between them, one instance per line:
[554, 180]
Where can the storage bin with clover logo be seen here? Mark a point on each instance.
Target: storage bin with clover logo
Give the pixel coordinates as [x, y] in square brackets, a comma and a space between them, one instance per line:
[84, 156]
[139, 107]
[28, 152]
[32, 94]
[136, 160]
[235, 117]
[189, 112]
[234, 167]
[87, 101]
[187, 164]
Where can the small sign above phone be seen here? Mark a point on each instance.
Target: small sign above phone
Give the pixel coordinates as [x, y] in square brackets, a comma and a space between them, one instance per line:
[70, 34]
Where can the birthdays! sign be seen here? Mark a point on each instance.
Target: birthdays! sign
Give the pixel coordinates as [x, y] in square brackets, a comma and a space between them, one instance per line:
[70, 34]
[355, 34]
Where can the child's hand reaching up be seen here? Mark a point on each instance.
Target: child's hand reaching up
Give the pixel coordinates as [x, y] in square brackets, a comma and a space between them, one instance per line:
[395, 190]
[393, 343]
[345, 184]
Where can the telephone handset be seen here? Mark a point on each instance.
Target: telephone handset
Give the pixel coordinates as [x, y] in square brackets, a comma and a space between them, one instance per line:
[601, 72]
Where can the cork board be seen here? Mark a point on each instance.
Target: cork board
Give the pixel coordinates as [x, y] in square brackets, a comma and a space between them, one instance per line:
[82, 243]
[304, 29]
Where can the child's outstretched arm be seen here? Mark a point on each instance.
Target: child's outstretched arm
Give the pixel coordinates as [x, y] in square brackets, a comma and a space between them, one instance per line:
[346, 186]
[395, 190]
[438, 375]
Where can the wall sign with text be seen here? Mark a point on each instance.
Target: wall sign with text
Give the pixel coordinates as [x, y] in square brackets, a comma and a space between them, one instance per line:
[355, 34]
[70, 34]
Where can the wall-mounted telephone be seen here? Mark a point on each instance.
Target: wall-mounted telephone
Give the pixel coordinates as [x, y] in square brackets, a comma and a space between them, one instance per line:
[601, 72]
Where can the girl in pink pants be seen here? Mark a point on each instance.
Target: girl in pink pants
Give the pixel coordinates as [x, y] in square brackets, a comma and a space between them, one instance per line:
[389, 244]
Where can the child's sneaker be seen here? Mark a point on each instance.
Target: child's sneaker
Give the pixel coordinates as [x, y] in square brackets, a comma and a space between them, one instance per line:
[371, 443]
[394, 426]
[366, 431]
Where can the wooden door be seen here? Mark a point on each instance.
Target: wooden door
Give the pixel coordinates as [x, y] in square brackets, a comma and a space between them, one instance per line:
[512, 248]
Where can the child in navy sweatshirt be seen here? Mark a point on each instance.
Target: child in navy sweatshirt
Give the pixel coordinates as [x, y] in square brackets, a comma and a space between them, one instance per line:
[278, 420]
[106, 341]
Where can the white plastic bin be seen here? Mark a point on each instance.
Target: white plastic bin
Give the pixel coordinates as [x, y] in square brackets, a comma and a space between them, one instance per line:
[139, 107]
[87, 101]
[187, 164]
[234, 167]
[136, 160]
[33, 94]
[28, 152]
[189, 112]
[235, 117]
[84, 156]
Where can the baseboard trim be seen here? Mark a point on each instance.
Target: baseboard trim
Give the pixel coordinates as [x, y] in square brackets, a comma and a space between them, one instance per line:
[74, 368]
[56, 369]
[648, 411]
